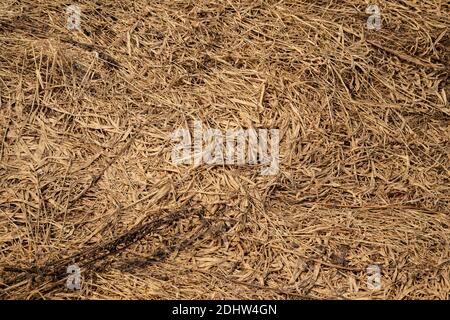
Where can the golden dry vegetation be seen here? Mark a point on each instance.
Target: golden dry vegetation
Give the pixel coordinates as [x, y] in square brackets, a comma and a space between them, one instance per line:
[86, 175]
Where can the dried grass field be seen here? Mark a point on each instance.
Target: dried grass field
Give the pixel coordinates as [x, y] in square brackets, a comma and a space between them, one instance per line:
[86, 124]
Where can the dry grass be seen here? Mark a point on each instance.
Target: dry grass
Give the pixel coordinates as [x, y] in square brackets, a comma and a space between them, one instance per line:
[86, 175]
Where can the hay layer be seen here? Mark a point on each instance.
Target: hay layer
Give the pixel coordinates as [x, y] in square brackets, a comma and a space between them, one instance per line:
[86, 175]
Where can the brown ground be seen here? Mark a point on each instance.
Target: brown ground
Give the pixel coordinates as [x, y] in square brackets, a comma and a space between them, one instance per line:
[86, 175]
